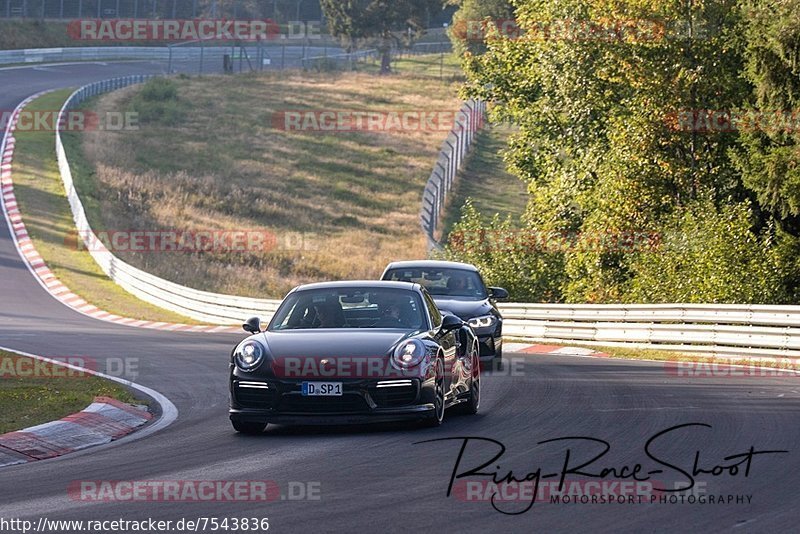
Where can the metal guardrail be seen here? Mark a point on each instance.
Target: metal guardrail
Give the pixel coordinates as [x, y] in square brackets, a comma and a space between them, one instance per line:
[718, 329]
[153, 53]
[454, 150]
[714, 329]
[199, 305]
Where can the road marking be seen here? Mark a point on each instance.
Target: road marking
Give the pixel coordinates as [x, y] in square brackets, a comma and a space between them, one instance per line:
[169, 412]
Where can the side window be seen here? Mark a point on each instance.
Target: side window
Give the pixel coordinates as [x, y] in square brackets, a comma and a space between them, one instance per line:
[436, 317]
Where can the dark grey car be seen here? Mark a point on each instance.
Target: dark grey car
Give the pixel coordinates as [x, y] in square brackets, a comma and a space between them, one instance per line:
[458, 288]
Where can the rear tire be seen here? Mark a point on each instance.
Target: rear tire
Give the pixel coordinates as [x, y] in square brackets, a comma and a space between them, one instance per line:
[248, 428]
[473, 404]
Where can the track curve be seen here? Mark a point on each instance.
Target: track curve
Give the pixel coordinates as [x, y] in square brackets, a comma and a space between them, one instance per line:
[375, 476]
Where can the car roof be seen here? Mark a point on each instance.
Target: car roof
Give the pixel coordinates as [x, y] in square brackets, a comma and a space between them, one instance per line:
[361, 284]
[428, 264]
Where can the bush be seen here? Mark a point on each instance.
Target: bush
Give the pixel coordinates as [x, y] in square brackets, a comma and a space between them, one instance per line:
[711, 255]
[506, 258]
[158, 102]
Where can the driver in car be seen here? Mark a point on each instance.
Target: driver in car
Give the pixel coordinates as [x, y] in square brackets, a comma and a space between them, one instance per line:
[457, 283]
[390, 315]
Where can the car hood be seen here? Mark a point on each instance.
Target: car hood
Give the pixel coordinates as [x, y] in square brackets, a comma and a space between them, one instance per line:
[331, 343]
[465, 309]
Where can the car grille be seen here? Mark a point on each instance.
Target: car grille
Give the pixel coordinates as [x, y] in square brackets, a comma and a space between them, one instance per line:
[388, 397]
[255, 397]
[345, 403]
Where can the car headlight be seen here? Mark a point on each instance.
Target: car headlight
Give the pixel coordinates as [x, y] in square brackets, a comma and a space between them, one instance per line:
[409, 353]
[248, 355]
[483, 321]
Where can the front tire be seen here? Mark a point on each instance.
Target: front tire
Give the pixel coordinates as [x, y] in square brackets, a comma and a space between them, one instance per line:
[497, 361]
[248, 428]
[438, 413]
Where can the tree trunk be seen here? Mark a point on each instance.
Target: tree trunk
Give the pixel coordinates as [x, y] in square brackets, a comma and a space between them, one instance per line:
[386, 54]
[386, 61]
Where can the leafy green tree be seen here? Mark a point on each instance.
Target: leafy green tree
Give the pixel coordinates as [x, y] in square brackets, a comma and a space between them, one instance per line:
[770, 156]
[529, 267]
[474, 20]
[609, 97]
[710, 254]
[388, 21]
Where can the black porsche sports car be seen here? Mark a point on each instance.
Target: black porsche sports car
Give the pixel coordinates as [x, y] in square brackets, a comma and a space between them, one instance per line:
[459, 288]
[354, 352]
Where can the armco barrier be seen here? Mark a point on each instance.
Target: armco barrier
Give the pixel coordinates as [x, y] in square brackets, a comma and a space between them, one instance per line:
[451, 156]
[199, 305]
[718, 329]
[153, 53]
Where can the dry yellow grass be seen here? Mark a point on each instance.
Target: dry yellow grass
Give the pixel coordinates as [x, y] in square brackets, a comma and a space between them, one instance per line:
[352, 199]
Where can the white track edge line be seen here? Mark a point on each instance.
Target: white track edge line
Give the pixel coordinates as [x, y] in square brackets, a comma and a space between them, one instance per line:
[169, 412]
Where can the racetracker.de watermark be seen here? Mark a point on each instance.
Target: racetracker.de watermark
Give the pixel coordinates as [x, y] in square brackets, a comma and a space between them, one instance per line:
[569, 29]
[191, 241]
[337, 121]
[554, 242]
[193, 491]
[185, 30]
[373, 367]
[173, 30]
[40, 120]
[67, 367]
[773, 368]
[726, 121]
[569, 491]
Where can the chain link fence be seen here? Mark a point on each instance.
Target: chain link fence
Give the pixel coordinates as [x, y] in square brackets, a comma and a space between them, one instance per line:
[278, 10]
[451, 157]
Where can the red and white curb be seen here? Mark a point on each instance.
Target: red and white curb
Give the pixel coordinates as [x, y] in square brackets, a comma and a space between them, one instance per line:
[526, 348]
[101, 422]
[36, 263]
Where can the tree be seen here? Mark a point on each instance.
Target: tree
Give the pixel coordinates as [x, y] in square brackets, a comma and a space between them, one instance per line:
[770, 155]
[473, 20]
[613, 100]
[388, 21]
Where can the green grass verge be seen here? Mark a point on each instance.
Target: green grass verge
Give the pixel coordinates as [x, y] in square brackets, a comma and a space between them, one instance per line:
[484, 179]
[212, 154]
[445, 67]
[47, 216]
[633, 353]
[29, 398]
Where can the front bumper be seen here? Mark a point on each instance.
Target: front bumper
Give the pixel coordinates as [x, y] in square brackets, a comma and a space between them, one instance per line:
[281, 402]
[489, 345]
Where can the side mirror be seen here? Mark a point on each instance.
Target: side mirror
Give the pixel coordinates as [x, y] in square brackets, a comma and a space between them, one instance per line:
[253, 325]
[450, 323]
[498, 293]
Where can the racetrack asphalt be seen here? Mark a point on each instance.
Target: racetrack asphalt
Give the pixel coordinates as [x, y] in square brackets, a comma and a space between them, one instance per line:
[375, 478]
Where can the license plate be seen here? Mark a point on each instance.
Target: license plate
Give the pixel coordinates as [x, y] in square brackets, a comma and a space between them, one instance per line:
[322, 389]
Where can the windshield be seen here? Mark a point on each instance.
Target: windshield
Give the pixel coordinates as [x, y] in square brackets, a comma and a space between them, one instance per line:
[350, 307]
[456, 283]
